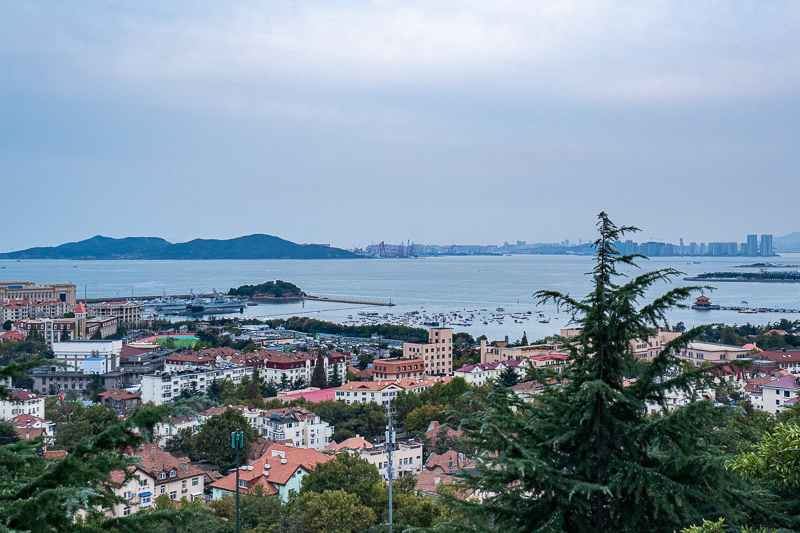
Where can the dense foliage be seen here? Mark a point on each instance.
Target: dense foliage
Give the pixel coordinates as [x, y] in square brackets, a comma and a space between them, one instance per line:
[387, 331]
[586, 457]
[270, 289]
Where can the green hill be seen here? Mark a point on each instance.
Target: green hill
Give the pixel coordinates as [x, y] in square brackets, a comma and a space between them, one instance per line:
[248, 247]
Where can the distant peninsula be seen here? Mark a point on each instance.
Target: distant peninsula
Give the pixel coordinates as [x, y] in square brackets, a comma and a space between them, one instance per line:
[774, 277]
[257, 246]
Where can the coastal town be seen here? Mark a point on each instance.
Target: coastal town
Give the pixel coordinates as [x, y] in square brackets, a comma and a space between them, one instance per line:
[282, 387]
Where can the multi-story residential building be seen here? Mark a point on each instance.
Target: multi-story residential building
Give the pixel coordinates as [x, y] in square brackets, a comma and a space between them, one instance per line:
[398, 368]
[788, 360]
[157, 473]
[406, 458]
[495, 354]
[15, 310]
[280, 470]
[162, 387]
[271, 364]
[298, 425]
[484, 373]
[700, 352]
[121, 401]
[31, 426]
[648, 349]
[780, 394]
[437, 353]
[382, 392]
[23, 402]
[128, 313]
[75, 353]
[27, 290]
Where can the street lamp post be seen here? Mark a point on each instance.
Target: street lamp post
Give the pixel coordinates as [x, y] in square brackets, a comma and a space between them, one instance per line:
[236, 444]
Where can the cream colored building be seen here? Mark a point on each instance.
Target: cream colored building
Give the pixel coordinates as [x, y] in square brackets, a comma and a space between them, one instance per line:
[126, 312]
[406, 459]
[27, 290]
[437, 353]
[700, 352]
[159, 473]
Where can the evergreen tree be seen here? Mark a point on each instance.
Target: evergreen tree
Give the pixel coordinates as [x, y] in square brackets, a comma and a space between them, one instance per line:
[286, 383]
[585, 457]
[319, 378]
[524, 340]
[508, 377]
[336, 378]
[269, 389]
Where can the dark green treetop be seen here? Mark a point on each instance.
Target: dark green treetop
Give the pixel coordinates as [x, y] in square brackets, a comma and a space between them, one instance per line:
[586, 456]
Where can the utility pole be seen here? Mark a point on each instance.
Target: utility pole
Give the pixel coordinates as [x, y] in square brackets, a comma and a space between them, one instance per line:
[389, 448]
[236, 443]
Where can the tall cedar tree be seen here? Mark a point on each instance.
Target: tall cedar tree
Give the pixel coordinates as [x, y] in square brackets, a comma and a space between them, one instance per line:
[585, 457]
[319, 378]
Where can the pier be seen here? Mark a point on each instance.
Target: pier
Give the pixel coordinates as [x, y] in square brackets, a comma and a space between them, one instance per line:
[387, 303]
[754, 310]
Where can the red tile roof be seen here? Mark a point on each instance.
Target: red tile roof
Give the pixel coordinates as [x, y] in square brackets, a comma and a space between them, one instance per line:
[353, 443]
[429, 482]
[448, 462]
[156, 460]
[271, 470]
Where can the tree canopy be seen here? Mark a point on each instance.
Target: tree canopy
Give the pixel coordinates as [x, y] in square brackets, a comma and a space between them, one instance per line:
[586, 457]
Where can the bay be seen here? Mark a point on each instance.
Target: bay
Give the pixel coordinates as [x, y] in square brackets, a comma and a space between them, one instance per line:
[435, 284]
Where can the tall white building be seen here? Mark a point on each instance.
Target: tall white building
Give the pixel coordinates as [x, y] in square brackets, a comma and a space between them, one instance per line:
[75, 353]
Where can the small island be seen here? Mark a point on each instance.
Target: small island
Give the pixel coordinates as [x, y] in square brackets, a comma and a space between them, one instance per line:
[763, 276]
[270, 291]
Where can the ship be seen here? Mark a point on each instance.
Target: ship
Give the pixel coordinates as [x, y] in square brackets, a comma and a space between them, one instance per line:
[167, 304]
[218, 304]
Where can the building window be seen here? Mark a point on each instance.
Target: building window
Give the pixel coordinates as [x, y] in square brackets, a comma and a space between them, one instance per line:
[183, 484]
[195, 481]
[162, 475]
[126, 511]
[173, 495]
[242, 484]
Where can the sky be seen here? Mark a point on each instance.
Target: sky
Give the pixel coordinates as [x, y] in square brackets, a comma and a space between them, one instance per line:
[439, 122]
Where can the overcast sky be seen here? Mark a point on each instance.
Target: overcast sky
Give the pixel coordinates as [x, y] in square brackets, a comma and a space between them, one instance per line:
[439, 122]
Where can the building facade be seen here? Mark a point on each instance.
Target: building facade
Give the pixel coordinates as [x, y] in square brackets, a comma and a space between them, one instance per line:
[437, 353]
[398, 368]
[27, 290]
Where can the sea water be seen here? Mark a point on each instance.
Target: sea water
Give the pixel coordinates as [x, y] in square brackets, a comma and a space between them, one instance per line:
[432, 285]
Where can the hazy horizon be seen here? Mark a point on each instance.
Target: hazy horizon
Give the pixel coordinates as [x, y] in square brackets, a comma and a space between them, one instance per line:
[352, 123]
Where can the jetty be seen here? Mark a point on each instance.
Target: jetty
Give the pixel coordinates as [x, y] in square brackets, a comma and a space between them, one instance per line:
[386, 303]
[702, 303]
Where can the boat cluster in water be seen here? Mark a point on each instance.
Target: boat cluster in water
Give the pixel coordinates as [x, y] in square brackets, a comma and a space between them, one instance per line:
[217, 304]
[464, 318]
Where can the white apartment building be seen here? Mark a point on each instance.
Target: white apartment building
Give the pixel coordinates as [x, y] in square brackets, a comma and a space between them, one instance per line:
[437, 352]
[26, 403]
[406, 458]
[780, 394]
[163, 387]
[484, 373]
[296, 424]
[74, 353]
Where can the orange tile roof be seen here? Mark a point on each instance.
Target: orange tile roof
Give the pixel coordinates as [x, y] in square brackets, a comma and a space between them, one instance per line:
[449, 462]
[429, 482]
[156, 460]
[353, 443]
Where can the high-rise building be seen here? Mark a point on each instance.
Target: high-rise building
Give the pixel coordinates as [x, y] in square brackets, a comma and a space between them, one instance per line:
[766, 245]
[752, 245]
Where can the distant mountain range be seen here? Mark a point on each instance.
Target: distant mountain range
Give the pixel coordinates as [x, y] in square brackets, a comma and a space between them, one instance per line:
[247, 247]
[787, 243]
